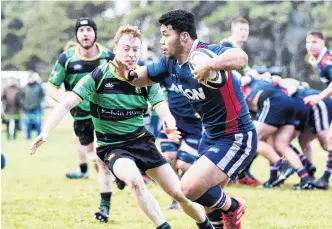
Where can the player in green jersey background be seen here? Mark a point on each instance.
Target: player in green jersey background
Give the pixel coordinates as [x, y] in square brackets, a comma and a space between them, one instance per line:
[74, 63]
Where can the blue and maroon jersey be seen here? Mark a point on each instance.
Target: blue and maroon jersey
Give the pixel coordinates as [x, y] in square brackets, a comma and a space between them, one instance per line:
[178, 103]
[324, 65]
[181, 109]
[303, 92]
[222, 110]
[250, 90]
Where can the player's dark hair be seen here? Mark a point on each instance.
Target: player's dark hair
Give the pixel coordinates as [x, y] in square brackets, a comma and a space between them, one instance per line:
[181, 21]
[316, 33]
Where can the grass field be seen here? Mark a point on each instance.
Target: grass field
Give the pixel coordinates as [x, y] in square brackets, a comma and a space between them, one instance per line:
[36, 195]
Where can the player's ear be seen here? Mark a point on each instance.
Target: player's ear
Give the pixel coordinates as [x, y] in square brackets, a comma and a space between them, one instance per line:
[183, 36]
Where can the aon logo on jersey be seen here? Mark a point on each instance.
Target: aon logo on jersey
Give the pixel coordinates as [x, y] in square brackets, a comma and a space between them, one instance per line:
[192, 94]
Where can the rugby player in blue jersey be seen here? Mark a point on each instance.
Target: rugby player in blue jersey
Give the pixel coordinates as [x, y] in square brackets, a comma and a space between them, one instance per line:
[229, 142]
[315, 44]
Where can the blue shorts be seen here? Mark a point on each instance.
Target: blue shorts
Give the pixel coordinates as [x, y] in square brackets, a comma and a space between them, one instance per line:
[191, 131]
[275, 109]
[321, 116]
[301, 114]
[232, 153]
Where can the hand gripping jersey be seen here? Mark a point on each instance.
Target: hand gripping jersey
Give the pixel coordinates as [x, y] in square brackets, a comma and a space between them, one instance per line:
[71, 67]
[222, 111]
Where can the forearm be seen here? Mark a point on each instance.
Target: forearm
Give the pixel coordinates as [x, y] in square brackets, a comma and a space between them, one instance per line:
[143, 79]
[59, 112]
[231, 59]
[327, 92]
[164, 113]
[55, 94]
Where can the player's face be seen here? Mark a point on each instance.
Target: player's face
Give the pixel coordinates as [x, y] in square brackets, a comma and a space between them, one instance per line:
[128, 49]
[86, 36]
[170, 41]
[240, 32]
[314, 45]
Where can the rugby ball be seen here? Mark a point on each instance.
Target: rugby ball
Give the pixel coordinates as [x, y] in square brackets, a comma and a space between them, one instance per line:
[217, 79]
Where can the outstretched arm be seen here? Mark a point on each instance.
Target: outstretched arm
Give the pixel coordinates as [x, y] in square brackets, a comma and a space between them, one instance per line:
[314, 99]
[55, 118]
[142, 76]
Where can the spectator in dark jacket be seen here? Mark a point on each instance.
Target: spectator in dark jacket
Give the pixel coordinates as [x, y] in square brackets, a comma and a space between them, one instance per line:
[12, 106]
[32, 97]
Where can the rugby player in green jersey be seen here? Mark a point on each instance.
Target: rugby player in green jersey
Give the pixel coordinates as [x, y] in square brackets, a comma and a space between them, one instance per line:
[74, 63]
[126, 147]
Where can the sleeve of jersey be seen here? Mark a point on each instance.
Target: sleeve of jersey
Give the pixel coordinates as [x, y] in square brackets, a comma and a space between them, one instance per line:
[85, 87]
[227, 44]
[58, 73]
[157, 71]
[220, 49]
[156, 96]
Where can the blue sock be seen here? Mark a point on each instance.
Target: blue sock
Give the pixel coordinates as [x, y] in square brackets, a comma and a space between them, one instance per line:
[214, 197]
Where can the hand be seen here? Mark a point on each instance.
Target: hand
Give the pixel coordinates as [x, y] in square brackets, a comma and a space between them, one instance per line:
[38, 142]
[171, 131]
[202, 71]
[312, 99]
[121, 68]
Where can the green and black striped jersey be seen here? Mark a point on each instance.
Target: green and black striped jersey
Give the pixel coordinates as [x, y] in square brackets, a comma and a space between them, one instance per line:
[117, 108]
[71, 67]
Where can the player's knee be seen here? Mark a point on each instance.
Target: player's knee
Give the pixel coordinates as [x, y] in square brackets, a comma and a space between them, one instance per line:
[102, 167]
[325, 145]
[187, 191]
[178, 196]
[328, 145]
[281, 146]
[135, 183]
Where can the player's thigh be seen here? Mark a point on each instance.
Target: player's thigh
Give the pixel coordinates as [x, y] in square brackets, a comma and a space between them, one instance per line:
[264, 130]
[126, 170]
[221, 160]
[84, 130]
[165, 176]
[284, 135]
[329, 138]
[200, 177]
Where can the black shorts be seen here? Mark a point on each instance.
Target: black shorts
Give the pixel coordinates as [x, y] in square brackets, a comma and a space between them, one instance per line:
[84, 130]
[142, 151]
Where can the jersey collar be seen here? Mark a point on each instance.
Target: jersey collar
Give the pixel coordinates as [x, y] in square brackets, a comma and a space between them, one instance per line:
[321, 55]
[100, 51]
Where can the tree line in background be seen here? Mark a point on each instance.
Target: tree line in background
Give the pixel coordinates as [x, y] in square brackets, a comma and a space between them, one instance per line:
[34, 33]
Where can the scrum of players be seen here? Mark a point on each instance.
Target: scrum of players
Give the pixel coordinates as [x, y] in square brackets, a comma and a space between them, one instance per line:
[203, 132]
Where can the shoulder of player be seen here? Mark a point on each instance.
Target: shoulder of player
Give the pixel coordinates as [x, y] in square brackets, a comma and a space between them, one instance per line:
[101, 71]
[327, 59]
[105, 52]
[66, 55]
[216, 48]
